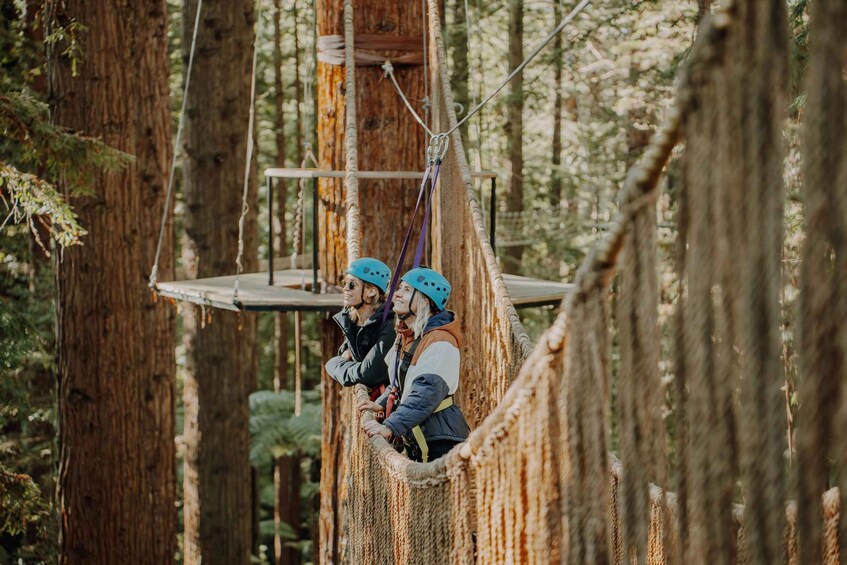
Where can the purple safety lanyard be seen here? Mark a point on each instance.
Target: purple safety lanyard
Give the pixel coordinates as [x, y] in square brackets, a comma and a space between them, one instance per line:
[395, 276]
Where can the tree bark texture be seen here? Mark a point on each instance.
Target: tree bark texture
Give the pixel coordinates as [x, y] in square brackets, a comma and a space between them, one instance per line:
[458, 42]
[556, 177]
[221, 360]
[512, 256]
[286, 469]
[388, 139]
[116, 485]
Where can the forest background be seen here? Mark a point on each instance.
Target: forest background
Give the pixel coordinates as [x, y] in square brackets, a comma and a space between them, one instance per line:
[561, 140]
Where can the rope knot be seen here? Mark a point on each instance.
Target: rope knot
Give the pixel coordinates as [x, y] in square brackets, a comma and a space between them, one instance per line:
[388, 67]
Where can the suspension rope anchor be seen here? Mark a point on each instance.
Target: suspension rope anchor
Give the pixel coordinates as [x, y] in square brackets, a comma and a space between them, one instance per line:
[388, 67]
[154, 278]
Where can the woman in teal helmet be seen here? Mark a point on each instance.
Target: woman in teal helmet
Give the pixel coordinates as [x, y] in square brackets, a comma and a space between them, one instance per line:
[360, 359]
[424, 366]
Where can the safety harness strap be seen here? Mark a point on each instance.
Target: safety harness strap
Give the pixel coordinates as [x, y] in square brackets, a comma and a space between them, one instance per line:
[418, 434]
[401, 367]
[395, 277]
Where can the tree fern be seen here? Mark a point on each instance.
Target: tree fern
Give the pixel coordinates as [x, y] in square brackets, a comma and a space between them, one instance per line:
[276, 431]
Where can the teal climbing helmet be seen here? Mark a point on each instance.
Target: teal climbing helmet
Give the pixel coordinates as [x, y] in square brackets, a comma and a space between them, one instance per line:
[431, 284]
[371, 271]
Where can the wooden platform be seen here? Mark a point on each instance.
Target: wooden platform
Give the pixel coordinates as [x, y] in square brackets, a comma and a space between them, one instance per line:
[527, 292]
[255, 295]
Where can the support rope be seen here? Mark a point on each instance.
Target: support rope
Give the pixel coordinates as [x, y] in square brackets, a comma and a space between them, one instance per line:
[154, 273]
[245, 206]
[299, 213]
[351, 138]
[389, 72]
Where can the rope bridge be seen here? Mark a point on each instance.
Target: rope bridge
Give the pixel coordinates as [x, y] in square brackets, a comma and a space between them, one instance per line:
[535, 482]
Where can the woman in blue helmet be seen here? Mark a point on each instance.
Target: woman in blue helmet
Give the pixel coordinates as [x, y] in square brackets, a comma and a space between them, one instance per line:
[360, 359]
[424, 367]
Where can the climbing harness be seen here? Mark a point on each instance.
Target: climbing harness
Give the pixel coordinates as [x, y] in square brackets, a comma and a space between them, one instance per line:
[418, 435]
[401, 365]
[402, 362]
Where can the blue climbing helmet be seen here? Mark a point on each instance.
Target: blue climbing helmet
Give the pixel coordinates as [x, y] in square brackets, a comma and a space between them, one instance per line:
[431, 284]
[371, 271]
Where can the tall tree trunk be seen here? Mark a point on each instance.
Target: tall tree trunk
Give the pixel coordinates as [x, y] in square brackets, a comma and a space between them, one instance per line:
[286, 469]
[220, 350]
[298, 86]
[115, 346]
[388, 139]
[703, 9]
[556, 180]
[512, 256]
[458, 42]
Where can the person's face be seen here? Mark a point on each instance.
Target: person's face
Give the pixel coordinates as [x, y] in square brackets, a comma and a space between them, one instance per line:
[356, 292]
[402, 298]
[353, 289]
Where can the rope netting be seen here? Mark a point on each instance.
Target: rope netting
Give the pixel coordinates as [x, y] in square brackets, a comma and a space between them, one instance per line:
[535, 481]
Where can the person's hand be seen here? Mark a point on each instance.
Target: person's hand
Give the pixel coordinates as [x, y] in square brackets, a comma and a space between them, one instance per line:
[369, 405]
[372, 428]
[347, 356]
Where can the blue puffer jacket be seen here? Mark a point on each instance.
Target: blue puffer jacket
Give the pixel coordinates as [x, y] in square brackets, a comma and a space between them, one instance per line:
[369, 344]
[432, 376]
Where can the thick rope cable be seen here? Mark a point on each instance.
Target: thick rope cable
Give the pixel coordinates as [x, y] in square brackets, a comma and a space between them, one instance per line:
[248, 161]
[351, 179]
[154, 273]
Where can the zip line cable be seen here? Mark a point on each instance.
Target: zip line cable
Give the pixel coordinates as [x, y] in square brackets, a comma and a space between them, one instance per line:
[389, 70]
[154, 274]
[575, 12]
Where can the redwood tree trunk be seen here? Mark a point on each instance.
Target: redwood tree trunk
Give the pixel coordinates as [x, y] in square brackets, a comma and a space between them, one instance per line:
[220, 349]
[115, 345]
[460, 70]
[512, 256]
[556, 180]
[286, 469]
[388, 139]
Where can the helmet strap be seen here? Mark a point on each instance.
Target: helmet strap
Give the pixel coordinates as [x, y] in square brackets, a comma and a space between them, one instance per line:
[411, 312]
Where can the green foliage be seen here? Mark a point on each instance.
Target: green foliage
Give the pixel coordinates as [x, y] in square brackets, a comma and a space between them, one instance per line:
[21, 504]
[40, 153]
[276, 431]
[67, 37]
[34, 200]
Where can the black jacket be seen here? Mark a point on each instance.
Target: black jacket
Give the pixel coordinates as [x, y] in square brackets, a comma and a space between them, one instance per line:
[369, 344]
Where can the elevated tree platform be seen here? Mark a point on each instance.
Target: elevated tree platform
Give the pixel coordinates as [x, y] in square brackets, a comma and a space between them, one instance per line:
[286, 293]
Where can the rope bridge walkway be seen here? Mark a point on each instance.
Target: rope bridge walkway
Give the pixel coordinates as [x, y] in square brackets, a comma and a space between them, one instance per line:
[535, 482]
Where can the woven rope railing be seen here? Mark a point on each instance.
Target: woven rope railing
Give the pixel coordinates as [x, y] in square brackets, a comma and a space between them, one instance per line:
[534, 482]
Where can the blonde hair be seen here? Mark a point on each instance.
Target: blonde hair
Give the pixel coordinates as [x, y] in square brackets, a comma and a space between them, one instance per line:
[380, 300]
[420, 305]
